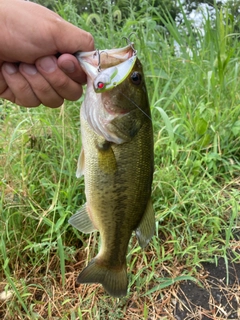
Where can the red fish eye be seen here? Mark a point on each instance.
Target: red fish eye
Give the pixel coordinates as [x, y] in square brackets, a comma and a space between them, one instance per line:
[136, 78]
[100, 85]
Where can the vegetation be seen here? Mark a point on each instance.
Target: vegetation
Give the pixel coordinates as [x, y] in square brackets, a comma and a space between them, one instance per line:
[121, 7]
[193, 84]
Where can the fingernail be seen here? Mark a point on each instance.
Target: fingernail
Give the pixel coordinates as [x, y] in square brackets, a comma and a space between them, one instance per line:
[29, 69]
[10, 68]
[68, 66]
[48, 64]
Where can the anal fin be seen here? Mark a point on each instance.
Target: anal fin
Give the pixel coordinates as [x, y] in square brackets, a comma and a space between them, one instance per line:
[81, 220]
[146, 228]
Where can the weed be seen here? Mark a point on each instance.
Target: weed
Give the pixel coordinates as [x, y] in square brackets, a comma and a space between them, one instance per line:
[193, 85]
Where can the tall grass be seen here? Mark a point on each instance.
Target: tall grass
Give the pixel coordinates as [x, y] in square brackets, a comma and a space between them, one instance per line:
[193, 85]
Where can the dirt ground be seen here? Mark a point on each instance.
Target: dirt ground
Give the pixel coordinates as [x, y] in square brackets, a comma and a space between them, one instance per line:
[219, 296]
[215, 296]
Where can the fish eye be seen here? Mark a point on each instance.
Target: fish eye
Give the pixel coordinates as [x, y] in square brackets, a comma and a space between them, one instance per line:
[136, 78]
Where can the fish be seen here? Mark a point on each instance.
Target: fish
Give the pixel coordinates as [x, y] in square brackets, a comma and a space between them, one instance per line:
[117, 161]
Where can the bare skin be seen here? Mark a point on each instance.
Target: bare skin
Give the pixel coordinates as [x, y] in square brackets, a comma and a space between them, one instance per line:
[36, 61]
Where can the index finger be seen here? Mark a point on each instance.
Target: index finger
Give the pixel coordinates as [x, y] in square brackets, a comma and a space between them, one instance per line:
[70, 65]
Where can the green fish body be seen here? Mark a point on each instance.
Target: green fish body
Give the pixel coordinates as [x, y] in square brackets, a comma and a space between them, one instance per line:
[117, 162]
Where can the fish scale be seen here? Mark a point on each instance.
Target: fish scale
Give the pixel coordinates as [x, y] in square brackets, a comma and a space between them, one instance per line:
[117, 163]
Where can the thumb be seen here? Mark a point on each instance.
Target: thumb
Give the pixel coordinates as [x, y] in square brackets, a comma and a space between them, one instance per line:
[70, 38]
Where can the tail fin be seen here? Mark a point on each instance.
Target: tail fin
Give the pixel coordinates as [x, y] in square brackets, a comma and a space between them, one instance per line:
[114, 280]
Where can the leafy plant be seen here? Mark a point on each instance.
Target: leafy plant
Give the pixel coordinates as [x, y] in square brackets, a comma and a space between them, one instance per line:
[192, 78]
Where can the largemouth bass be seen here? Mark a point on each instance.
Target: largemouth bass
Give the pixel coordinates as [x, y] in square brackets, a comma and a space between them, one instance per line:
[117, 163]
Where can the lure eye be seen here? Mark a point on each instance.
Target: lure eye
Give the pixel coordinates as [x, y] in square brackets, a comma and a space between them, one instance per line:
[100, 85]
[136, 78]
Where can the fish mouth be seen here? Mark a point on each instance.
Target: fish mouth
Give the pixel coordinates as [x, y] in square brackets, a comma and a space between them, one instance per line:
[105, 58]
[94, 62]
[108, 68]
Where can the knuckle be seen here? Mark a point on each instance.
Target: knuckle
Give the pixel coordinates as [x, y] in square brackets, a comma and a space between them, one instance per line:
[25, 96]
[23, 88]
[62, 83]
[19, 86]
[44, 88]
[48, 95]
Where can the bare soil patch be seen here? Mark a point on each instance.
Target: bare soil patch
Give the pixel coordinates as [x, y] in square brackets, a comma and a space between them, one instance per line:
[219, 296]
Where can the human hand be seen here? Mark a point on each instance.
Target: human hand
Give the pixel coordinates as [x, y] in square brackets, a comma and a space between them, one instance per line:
[31, 73]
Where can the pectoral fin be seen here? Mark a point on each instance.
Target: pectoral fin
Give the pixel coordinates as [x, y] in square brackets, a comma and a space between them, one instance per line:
[80, 165]
[146, 228]
[81, 220]
[106, 157]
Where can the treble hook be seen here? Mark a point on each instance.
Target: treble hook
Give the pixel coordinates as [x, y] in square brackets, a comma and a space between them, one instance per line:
[98, 53]
[131, 43]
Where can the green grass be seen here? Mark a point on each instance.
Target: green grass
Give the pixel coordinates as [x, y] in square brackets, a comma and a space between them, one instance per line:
[195, 101]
